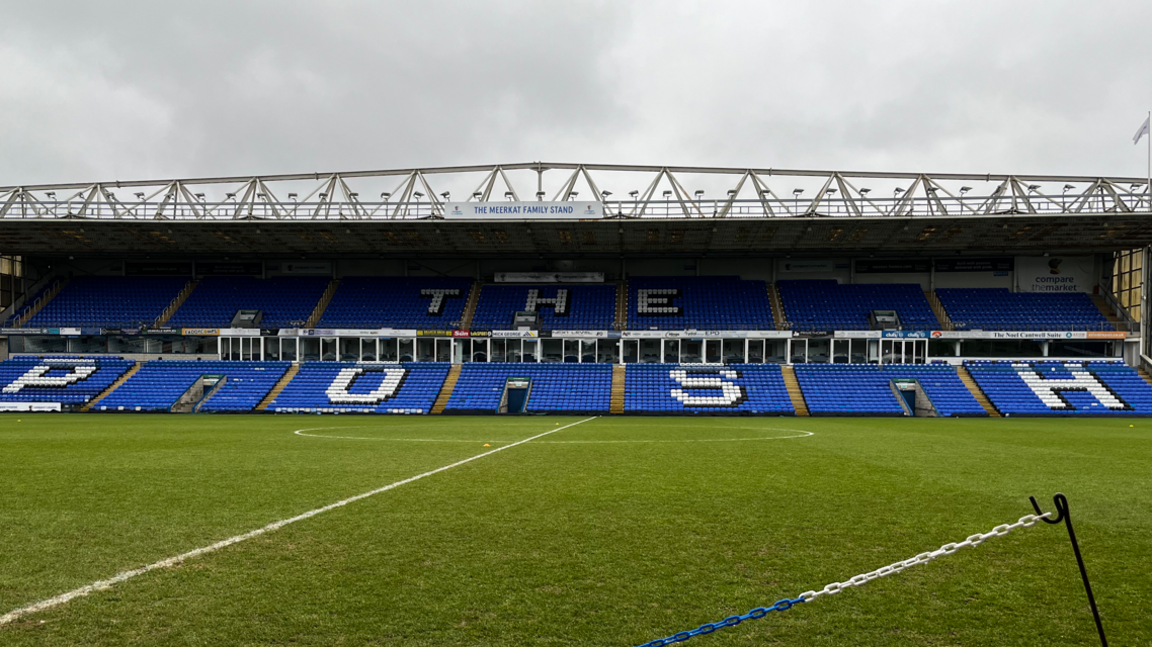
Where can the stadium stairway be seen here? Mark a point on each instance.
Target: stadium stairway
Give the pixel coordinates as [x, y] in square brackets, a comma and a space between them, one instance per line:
[48, 296]
[162, 320]
[1106, 310]
[470, 307]
[794, 392]
[777, 308]
[938, 308]
[1144, 375]
[977, 393]
[322, 305]
[446, 389]
[112, 387]
[616, 404]
[622, 305]
[288, 375]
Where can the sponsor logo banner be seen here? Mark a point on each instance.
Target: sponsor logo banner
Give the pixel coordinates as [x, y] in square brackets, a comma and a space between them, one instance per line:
[894, 266]
[523, 210]
[1055, 273]
[1003, 264]
[549, 277]
[200, 332]
[515, 334]
[580, 334]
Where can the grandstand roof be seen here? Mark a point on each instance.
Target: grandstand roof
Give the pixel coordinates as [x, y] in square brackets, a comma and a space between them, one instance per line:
[729, 211]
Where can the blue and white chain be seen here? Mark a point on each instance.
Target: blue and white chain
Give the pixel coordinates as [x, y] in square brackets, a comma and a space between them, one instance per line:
[1027, 521]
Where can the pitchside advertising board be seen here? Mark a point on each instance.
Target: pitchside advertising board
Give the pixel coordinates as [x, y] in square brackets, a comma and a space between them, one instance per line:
[523, 210]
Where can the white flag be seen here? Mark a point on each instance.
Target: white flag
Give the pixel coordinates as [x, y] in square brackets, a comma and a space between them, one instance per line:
[1143, 131]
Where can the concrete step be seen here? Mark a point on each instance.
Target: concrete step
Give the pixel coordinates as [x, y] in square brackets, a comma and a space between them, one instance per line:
[446, 389]
[794, 392]
[112, 387]
[974, 388]
[283, 382]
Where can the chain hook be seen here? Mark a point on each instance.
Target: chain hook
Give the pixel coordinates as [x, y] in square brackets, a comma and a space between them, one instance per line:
[1061, 503]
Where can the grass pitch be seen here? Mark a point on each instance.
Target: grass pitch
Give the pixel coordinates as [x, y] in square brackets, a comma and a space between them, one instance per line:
[613, 532]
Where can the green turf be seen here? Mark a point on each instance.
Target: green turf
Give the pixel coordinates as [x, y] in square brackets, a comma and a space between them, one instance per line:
[556, 542]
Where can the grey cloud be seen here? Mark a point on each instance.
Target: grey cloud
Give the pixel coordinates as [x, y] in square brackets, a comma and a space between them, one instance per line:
[128, 90]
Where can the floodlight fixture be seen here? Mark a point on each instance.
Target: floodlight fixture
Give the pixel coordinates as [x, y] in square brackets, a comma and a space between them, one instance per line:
[667, 194]
[323, 196]
[353, 195]
[385, 195]
[1131, 188]
[865, 192]
[292, 197]
[51, 195]
[200, 197]
[797, 192]
[700, 193]
[417, 194]
[633, 194]
[539, 196]
[830, 191]
[477, 195]
[604, 195]
[964, 189]
[1033, 187]
[447, 195]
[573, 194]
[140, 196]
[509, 195]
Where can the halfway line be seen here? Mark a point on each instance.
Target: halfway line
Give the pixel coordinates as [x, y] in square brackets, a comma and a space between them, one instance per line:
[172, 561]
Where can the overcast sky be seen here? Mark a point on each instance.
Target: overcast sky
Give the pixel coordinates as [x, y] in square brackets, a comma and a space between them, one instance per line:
[115, 90]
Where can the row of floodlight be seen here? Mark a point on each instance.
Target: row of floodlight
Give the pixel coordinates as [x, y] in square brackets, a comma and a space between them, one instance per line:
[699, 194]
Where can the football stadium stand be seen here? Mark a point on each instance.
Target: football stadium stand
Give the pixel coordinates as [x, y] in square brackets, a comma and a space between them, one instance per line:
[1047, 388]
[561, 307]
[699, 303]
[820, 305]
[869, 390]
[348, 387]
[405, 303]
[999, 309]
[67, 380]
[555, 388]
[706, 389]
[159, 384]
[285, 301]
[109, 302]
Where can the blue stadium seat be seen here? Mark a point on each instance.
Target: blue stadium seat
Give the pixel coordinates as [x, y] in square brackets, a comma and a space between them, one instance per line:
[698, 303]
[390, 302]
[999, 309]
[67, 380]
[556, 388]
[817, 305]
[1050, 388]
[706, 389]
[159, 384]
[109, 302]
[368, 387]
[561, 307]
[866, 389]
[286, 301]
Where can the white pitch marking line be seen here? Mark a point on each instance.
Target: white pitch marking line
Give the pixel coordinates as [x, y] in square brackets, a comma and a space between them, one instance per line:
[802, 434]
[172, 561]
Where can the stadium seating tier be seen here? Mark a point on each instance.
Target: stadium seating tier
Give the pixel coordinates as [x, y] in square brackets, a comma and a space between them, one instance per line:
[561, 307]
[698, 303]
[407, 303]
[999, 309]
[109, 302]
[368, 387]
[285, 301]
[159, 384]
[67, 380]
[822, 305]
[706, 389]
[867, 389]
[1050, 388]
